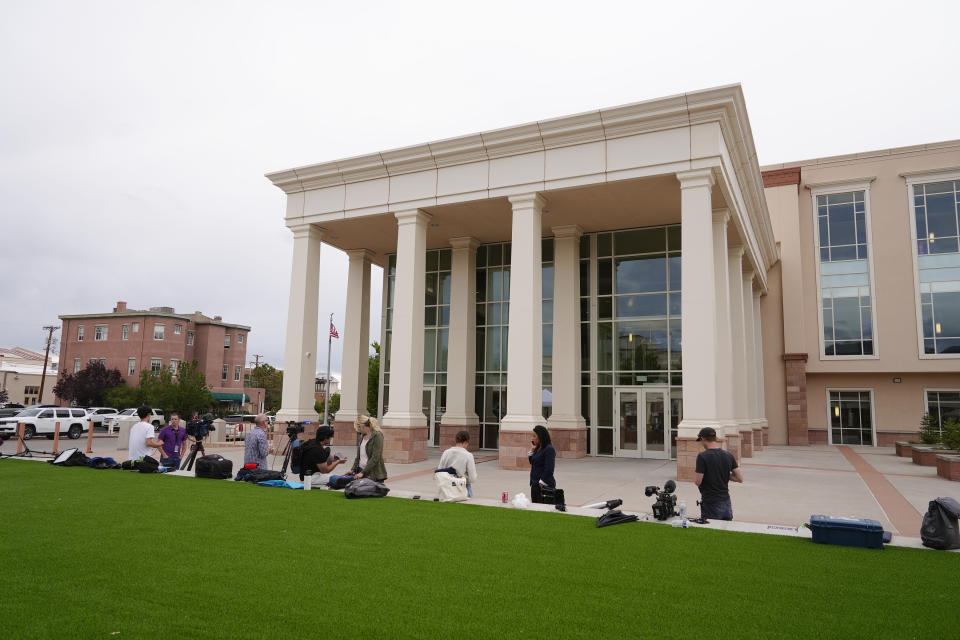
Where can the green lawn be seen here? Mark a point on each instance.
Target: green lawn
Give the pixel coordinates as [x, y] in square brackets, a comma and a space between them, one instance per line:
[114, 554]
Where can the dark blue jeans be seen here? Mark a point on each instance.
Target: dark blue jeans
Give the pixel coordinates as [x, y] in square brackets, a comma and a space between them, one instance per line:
[722, 510]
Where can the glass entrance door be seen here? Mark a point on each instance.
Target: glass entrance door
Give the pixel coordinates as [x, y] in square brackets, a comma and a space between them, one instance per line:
[642, 419]
[429, 411]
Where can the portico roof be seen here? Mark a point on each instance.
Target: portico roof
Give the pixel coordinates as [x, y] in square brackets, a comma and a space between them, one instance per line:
[603, 170]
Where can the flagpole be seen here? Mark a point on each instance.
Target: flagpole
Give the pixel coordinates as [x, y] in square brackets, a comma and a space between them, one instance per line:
[326, 394]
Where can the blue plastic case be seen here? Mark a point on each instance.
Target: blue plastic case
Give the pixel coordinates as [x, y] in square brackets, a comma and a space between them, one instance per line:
[850, 532]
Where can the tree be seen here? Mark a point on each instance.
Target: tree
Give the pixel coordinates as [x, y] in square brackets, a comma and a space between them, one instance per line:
[271, 380]
[929, 429]
[373, 380]
[4, 396]
[334, 404]
[88, 387]
[185, 392]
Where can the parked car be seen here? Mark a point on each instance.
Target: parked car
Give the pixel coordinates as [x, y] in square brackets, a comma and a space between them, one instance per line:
[238, 425]
[43, 420]
[100, 415]
[130, 415]
[8, 409]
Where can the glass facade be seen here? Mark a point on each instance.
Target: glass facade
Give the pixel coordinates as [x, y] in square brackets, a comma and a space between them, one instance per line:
[936, 206]
[630, 328]
[851, 420]
[844, 274]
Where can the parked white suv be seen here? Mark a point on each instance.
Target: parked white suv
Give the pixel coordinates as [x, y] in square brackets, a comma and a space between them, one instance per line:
[42, 420]
[130, 415]
[100, 415]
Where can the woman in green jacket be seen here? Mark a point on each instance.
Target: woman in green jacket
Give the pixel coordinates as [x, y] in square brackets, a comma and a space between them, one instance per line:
[369, 460]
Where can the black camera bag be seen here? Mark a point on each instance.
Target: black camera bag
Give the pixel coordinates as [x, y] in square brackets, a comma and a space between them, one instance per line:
[939, 529]
[543, 494]
[149, 464]
[214, 466]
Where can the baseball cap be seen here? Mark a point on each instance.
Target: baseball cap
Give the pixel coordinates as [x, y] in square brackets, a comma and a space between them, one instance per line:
[706, 432]
[324, 432]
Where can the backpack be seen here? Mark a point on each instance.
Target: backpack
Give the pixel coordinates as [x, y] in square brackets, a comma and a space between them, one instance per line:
[262, 475]
[298, 450]
[939, 528]
[214, 466]
[149, 464]
[130, 465]
[74, 459]
[366, 488]
[103, 463]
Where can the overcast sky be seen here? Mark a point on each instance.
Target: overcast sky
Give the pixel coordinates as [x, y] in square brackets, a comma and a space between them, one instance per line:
[134, 135]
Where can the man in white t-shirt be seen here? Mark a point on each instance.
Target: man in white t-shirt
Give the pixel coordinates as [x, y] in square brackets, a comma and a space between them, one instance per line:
[142, 437]
[461, 460]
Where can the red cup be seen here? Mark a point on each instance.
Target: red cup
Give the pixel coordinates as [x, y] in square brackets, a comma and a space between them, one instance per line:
[505, 497]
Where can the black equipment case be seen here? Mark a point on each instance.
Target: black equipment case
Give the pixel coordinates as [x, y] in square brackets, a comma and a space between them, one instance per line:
[214, 466]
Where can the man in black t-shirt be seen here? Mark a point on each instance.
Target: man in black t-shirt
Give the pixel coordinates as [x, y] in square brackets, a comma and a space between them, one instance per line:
[317, 461]
[715, 468]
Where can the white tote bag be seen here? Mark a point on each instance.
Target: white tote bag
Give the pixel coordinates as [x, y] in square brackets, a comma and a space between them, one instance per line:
[451, 488]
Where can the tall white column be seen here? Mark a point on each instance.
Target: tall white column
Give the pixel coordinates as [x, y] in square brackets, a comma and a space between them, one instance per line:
[525, 347]
[723, 324]
[406, 346]
[568, 428]
[462, 346]
[735, 267]
[700, 304]
[300, 355]
[356, 338]
[749, 347]
[761, 409]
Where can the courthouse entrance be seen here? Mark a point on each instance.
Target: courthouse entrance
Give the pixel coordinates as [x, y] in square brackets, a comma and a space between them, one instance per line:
[641, 418]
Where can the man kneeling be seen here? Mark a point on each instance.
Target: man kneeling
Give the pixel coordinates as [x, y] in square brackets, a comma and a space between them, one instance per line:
[317, 463]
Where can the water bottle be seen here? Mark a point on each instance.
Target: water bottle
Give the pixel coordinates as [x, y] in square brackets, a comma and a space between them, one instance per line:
[683, 509]
[307, 482]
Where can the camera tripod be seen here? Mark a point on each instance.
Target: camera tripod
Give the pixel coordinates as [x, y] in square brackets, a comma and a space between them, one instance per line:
[27, 451]
[194, 448]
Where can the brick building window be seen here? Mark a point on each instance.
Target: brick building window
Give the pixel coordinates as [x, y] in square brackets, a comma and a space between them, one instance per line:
[125, 332]
[190, 336]
[173, 366]
[103, 362]
[76, 365]
[158, 332]
[223, 375]
[239, 338]
[177, 329]
[155, 365]
[100, 332]
[136, 327]
[131, 366]
[226, 341]
[80, 333]
[236, 374]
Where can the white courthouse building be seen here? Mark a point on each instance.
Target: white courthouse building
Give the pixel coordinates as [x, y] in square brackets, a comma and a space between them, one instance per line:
[613, 275]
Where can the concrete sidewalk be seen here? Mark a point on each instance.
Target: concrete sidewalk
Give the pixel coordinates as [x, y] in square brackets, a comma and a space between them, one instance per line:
[783, 486]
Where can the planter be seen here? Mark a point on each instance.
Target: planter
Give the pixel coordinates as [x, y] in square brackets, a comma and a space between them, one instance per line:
[926, 456]
[904, 449]
[948, 466]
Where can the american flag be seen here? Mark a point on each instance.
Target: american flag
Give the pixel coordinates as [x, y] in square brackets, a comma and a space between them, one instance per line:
[333, 332]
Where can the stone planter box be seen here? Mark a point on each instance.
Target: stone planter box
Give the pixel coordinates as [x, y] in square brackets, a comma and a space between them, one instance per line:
[926, 456]
[948, 466]
[904, 449]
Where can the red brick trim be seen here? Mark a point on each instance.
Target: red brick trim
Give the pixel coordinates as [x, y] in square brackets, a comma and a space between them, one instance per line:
[788, 357]
[780, 177]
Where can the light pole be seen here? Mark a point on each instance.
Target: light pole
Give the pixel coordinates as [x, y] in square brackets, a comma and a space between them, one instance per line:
[43, 376]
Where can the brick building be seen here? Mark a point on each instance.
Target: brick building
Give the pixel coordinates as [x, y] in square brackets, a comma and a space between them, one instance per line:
[132, 340]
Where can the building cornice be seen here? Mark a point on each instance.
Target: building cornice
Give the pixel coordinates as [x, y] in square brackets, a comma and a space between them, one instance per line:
[151, 314]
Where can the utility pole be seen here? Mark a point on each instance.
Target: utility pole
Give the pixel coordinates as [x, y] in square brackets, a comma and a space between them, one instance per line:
[43, 376]
[253, 383]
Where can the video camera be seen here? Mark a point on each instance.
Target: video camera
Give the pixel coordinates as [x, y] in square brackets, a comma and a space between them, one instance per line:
[199, 429]
[666, 503]
[294, 429]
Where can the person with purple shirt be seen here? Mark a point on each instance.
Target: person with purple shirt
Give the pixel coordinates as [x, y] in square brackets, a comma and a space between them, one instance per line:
[173, 437]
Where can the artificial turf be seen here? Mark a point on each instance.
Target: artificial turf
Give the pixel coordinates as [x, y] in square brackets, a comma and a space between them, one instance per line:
[115, 554]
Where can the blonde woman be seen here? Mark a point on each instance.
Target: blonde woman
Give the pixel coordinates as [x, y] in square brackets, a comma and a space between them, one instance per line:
[369, 460]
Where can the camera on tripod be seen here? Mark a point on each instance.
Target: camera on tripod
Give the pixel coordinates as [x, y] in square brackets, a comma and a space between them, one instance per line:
[666, 503]
[294, 429]
[199, 429]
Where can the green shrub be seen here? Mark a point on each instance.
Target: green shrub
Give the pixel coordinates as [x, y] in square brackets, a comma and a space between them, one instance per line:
[951, 434]
[929, 429]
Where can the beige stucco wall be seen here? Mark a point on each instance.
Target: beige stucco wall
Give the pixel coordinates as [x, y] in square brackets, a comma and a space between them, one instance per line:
[891, 256]
[17, 382]
[774, 377]
[783, 203]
